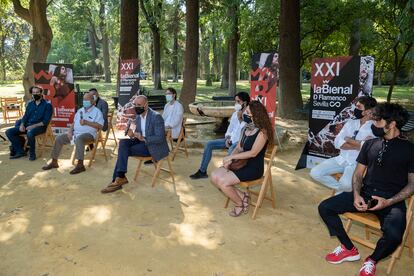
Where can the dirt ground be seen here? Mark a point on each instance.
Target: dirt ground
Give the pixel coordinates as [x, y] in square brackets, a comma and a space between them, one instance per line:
[53, 223]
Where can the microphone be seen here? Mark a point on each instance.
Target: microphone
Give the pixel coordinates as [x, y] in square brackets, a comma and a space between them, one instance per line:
[128, 126]
[81, 115]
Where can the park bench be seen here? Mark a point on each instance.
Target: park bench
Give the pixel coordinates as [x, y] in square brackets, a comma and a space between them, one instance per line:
[409, 126]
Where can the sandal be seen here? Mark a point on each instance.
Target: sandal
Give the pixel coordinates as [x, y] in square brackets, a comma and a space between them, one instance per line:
[235, 213]
[246, 202]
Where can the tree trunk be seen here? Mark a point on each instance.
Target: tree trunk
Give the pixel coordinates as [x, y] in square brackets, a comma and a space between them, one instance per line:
[233, 43]
[225, 71]
[129, 30]
[2, 56]
[355, 39]
[189, 89]
[94, 52]
[289, 54]
[398, 62]
[175, 46]
[41, 40]
[157, 59]
[216, 62]
[105, 42]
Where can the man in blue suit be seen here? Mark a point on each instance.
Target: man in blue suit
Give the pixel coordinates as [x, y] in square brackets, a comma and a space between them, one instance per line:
[148, 139]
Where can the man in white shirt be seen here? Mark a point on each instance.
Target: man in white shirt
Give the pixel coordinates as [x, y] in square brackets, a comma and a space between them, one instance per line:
[231, 137]
[173, 113]
[349, 141]
[88, 120]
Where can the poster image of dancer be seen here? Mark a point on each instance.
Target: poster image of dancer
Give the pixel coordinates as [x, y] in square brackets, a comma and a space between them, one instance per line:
[335, 86]
[58, 85]
[263, 81]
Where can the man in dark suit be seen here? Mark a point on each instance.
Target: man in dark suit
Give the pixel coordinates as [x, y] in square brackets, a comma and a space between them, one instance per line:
[148, 139]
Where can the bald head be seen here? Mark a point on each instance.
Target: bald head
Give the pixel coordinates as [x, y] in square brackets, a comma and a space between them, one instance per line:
[88, 97]
[141, 100]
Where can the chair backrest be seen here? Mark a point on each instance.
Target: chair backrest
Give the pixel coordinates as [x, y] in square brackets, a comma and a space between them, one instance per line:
[183, 126]
[269, 159]
[410, 207]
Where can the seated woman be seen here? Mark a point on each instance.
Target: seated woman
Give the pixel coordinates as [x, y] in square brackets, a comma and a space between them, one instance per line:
[256, 135]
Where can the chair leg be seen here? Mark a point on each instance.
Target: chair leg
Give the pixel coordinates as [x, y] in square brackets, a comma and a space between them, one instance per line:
[227, 202]
[113, 133]
[185, 148]
[348, 225]
[138, 170]
[104, 150]
[272, 193]
[410, 243]
[260, 198]
[156, 173]
[171, 173]
[175, 149]
[72, 157]
[93, 153]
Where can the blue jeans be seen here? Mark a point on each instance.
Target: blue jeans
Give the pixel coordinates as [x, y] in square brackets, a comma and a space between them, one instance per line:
[208, 151]
[17, 141]
[128, 147]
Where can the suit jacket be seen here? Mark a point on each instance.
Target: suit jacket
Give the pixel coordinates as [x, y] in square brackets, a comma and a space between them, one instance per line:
[102, 105]
[155, 139]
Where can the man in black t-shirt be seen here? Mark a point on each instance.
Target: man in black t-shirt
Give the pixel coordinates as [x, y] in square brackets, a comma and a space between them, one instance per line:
[383, 179]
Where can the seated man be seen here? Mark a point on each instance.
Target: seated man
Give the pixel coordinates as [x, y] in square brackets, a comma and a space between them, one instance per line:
[173, 113]
[349, 141]
[34, 122]
[231, 138]
[383, 179]
[88, 120]
[148, 139]
[102, 105]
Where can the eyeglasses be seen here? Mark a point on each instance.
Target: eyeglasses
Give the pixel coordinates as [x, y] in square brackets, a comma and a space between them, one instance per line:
[381, 153]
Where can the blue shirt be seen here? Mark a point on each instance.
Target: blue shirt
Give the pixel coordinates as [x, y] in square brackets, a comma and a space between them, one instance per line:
[37, 113]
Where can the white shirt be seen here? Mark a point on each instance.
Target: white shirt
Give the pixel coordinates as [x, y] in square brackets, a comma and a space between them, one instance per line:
[234, 128]
[352, 129]
[92, 115]
[173, 117]
[143, 120]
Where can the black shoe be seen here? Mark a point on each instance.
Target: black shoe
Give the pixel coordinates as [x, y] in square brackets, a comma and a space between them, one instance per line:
[18, 155]
[90, 147]
[148, 162]
[12, 151]
[32, 157]
[198, 175]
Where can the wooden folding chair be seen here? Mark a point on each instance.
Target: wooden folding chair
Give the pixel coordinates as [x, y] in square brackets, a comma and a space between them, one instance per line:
[372, 225]
[266, 183]
[180, 140]
[42, 140]
[99, 140]
[158, 168]
[12, 109]
[110, 129]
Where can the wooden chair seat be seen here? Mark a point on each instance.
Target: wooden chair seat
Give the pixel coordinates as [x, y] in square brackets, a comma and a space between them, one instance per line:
[265, 183]
[158, 168]
[98, 140]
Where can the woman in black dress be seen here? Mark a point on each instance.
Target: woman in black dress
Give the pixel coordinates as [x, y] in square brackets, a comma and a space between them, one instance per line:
[255, 137]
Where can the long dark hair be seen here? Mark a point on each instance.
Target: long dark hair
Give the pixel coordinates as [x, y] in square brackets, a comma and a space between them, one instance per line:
[261, 120]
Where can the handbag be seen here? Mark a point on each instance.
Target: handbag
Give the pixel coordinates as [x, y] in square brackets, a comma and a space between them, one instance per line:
[237, 164]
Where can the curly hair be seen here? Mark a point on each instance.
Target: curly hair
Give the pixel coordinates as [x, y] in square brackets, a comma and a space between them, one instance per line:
[261, 120]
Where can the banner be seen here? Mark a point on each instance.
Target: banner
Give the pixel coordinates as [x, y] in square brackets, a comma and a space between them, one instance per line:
[128, 80]
[57, 83]
[335, 85]
[263, 81]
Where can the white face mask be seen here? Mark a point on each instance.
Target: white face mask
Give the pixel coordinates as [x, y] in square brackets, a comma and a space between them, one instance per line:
[169, 97]
[237, 106]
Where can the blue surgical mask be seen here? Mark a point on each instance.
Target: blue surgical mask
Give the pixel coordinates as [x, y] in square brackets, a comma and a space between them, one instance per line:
[87, 104]
[169, 97]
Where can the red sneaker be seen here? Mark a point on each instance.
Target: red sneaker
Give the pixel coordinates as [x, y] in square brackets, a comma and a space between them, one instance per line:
[341, 254]
[368, 268]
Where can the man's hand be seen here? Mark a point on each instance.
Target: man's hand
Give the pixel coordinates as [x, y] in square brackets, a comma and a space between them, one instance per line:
[82, 122]
[382, 203]
[130, 133]
[69, 134]
[139, 137]
[22, 128]
[359, 203]
[30, 127]
[228, 143]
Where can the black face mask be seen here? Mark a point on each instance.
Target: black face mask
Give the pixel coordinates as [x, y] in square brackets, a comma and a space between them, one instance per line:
[378, 131]
[247, 118]
[139, 110]
[358, 113]
[36, 97]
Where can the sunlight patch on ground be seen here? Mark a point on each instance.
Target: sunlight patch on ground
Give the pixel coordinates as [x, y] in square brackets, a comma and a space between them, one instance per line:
[195, 234]
[43, 180]
[12, 227]
[19, 173]
[95, 214]
[48, 229]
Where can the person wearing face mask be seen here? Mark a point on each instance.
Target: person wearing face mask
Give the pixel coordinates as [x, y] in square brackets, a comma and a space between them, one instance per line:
[34, 122]
[383, 179]
[257, 134]
[102, 105]
[88, 120]
[148, 139]
[173, 113]
[231, 138]
[349, 141]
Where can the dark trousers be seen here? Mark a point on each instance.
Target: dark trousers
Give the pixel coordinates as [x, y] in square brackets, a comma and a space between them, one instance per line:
[392, 220]
[128, 147]
[17, 141]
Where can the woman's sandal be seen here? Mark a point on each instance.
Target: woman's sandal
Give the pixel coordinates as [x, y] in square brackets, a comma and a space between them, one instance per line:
[246, 202]
[235, 212]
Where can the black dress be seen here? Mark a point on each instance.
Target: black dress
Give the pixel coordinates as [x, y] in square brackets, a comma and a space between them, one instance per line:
[255, 166]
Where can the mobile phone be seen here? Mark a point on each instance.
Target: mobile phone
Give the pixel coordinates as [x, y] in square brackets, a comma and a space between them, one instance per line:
[372, 203]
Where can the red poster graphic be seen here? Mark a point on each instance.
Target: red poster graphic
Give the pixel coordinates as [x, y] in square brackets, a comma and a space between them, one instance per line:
[263, 81]
[57, 82]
